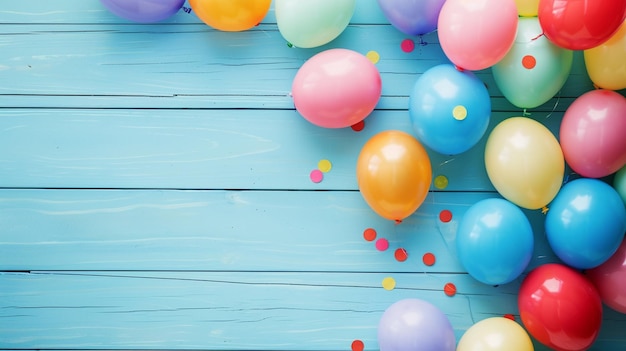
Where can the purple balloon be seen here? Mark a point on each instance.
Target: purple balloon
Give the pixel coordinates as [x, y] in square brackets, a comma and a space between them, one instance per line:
[413, 17]
[143, 11]
[414, 325]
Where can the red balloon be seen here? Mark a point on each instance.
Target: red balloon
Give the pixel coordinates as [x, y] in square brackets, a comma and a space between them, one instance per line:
[580, 24]
[560, 308]
[610, 279]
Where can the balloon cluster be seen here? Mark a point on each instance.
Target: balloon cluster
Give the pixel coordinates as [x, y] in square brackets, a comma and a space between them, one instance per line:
[529, 47]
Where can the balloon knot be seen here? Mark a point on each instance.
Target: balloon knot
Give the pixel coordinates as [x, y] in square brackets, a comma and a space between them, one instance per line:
[544, 209]
[460, 69]
[526, 113]
[398, 221]
[289, 44]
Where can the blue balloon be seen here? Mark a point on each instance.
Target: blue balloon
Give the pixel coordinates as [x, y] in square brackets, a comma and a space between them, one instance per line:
[494, 241]
[585, 223]
[449, 109]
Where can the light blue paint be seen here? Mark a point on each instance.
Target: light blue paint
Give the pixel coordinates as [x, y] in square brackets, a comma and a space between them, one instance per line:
[155, 190]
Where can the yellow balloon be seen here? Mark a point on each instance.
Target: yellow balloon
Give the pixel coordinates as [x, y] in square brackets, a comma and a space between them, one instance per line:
[495, 334]
[527, 8]
[606, 63]
[394, 174]
[524, 162]
[231, 15]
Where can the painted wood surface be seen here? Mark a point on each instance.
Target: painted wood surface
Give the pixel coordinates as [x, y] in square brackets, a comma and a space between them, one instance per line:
[155, 191]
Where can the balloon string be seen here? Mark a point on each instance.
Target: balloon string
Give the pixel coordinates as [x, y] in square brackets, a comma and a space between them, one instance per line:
[537, 37]
[556, 104]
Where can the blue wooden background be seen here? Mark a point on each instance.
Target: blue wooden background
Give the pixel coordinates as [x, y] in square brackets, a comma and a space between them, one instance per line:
[155, 191]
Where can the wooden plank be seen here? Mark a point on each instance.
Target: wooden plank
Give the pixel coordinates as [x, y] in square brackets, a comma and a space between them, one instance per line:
[203, 149]
[91, 11]
[233, 311]
[191, 66]
[227, 231]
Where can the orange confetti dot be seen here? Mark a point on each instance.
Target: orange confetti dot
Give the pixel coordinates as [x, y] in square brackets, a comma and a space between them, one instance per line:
[428, 259]
[449, 289]
[369, 234]
[401, 255]
[445, 216]
[529, 62]
[358, 345]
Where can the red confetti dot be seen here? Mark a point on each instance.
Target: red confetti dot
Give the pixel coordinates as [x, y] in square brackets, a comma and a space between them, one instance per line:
[449, 289]
[357, 345]
[529, 62]
[428, 259]
[509, 316]
[445, 216]
[382, 244]
[407, 45]
[401, 255]
[357, 127]
[369, 234]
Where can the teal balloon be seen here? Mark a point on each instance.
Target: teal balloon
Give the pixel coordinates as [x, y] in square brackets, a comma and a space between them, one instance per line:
[534, 69]
[619, 183]
[449, 109]
[494, 241]
[585, 223]
[312, 23]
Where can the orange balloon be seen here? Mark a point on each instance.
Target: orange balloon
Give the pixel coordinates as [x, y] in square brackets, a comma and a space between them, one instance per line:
[393, 173]
[231, 15]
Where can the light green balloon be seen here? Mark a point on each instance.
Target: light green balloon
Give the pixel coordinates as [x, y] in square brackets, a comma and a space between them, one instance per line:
[312, 23]
[619, 183]
[534, 69]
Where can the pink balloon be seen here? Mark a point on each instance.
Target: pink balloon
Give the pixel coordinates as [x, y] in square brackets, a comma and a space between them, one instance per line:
[477, 34]
[336, 88]
[593, 133]
[610, 279]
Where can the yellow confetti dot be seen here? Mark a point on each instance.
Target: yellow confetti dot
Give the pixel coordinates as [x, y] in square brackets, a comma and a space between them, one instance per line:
[441, 182]
[373, 56]
[389, 283]
[459, 112]
[324, 166]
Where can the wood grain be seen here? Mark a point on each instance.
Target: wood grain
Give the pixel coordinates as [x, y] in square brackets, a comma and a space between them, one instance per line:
[155, 190]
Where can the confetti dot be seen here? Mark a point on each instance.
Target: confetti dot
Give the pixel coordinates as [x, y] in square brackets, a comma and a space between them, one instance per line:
[441, 182]
[401, 255]
[382, 244]
[428, 259]
[407, 45]
[509, 316]
[357, 127]
[449, 289]
[324, 166]
[358, 345]
[459, 112]
[373, 56]
[316, 176]
[369, 234]
[389, 283]
[445, 216]
[529, 62]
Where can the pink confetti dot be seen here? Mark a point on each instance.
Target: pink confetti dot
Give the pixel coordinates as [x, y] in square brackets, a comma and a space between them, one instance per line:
[407, 45]
[382, 244]
[316, 176]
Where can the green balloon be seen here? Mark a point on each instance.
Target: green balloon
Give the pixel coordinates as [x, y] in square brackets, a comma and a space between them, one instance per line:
[312, 23]
[619, 183]
[534, 69]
